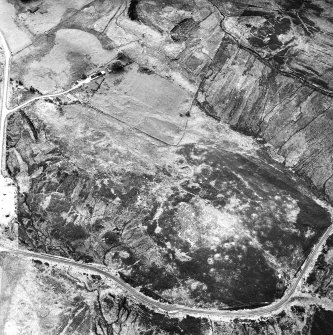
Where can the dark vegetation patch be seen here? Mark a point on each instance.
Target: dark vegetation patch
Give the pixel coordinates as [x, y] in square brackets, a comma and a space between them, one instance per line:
[299, 311]
[267, 34]
[80, 65]
[300, 5]
[329, 242]
[297, 10]
[182, 30]
[26, 5]
[318, 81]
[124, 58]
[157, 277]
[116, 67]
[145, 70]
[30, 124]
[132, 10]
[321, 274]
[254, 12]
[245, 271]
[309, 5]
[322, 322]
[146, 291]
[98, 225]
[70, 232]
[291, 4]
[303, 22]
[119, 65]
[111, 238]
[310, 76]
[280, 57]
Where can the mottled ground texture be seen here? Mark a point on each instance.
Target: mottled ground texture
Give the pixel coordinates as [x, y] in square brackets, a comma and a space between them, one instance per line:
[145, 170]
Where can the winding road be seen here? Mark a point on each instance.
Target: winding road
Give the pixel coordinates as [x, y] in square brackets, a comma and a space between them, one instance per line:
[174, 309]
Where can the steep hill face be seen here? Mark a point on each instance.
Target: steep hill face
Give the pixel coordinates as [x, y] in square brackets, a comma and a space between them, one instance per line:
[295, 119]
